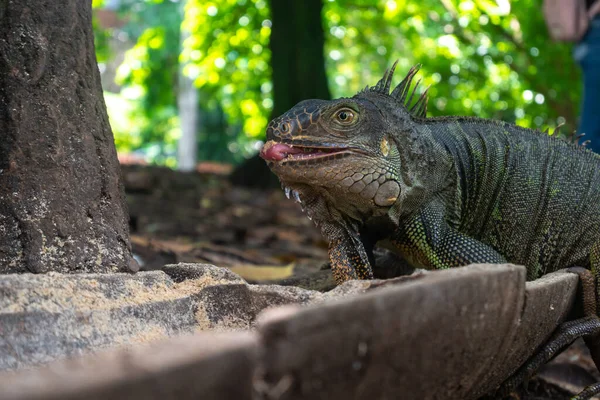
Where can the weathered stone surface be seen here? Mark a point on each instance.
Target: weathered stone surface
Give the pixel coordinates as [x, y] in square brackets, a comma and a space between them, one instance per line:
[203, 366]
[446, 335]
[188, 271]
[46, 317]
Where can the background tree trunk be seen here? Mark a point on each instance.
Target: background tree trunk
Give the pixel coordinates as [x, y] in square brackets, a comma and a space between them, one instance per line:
[187, 103]
[62, 205]
[297, 45]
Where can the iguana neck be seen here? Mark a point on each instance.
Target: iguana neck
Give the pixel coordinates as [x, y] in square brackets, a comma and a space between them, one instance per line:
[425, 171]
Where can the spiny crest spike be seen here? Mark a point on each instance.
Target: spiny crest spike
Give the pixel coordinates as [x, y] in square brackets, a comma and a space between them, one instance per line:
[401, 92]
[366, 89]
[575, 138]
[412, 94]
[419, 109]
[388, 82]
[384, 84]
[379, 86]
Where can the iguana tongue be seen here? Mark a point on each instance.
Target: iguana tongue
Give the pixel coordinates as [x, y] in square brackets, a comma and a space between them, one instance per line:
[274, 151]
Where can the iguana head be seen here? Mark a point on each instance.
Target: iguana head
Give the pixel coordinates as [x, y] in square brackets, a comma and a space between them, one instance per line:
[348, 150]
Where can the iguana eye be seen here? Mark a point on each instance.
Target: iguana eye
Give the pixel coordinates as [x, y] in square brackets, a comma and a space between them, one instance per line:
[345, 116]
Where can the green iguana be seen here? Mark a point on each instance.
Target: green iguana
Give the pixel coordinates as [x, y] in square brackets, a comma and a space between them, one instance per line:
[441, 192]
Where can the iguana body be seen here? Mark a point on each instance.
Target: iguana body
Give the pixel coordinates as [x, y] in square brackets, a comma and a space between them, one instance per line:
[442, 192]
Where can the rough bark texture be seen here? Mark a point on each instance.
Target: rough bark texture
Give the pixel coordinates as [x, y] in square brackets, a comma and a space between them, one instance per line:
[297, 46]
[62, 205]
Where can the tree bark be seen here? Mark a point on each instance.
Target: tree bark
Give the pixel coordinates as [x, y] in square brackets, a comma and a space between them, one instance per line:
[62, 204]
[297, 45]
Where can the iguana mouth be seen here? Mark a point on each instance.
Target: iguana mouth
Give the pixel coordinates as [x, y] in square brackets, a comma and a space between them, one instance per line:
[276, 151]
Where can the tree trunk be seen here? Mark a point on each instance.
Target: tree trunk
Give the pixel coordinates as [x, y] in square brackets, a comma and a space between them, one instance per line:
[187, 103]
[297, 45]
[62, 204]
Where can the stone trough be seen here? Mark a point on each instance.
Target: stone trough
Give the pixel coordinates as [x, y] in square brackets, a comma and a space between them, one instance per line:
[197, 331]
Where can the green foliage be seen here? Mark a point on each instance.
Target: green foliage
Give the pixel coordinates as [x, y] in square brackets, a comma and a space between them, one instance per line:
[487, 58]
[101, 36]
[227, 55]
[148, 77]
[144, 115]
[491, 59]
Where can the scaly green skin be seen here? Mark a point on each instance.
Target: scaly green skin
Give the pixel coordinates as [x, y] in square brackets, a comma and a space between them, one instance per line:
[442, 192]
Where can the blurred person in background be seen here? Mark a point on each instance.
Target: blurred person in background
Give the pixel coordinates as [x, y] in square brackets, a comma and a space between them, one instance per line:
[587, 55]
[578, 21]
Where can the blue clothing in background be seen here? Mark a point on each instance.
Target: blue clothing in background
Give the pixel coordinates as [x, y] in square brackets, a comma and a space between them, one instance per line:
[587, 54]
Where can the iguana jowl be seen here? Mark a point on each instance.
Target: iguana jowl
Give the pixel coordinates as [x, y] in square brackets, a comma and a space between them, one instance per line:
[442, 192]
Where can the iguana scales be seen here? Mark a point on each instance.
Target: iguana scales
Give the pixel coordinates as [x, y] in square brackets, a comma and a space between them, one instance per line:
[441, 192]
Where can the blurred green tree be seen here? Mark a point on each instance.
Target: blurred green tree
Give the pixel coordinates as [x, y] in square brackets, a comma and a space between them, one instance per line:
[489, 58]
[148, 77]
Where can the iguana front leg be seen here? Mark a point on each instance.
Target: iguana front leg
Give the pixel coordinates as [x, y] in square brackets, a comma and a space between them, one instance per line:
[347, 254]
[428, 241]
